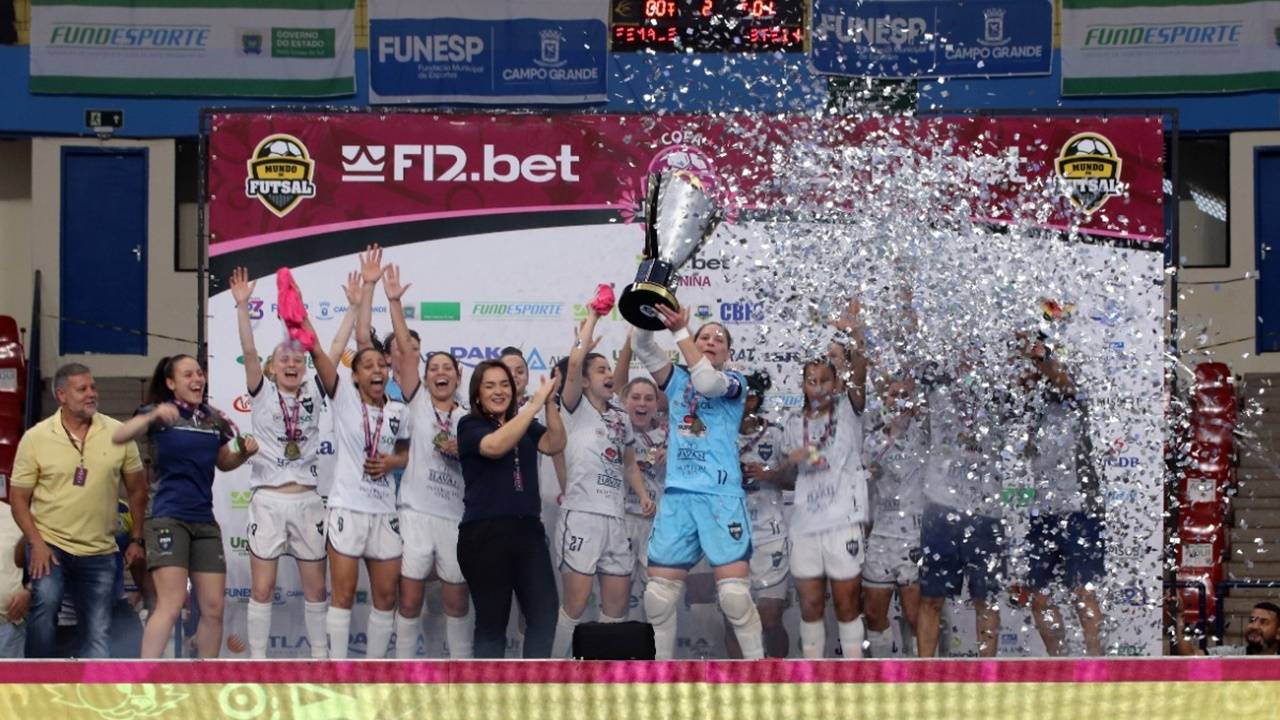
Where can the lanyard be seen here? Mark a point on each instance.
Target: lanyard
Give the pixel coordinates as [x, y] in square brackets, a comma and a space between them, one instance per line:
[196, 413]
[79, 447]
[444, 422]
[371, 439]
[517, 478]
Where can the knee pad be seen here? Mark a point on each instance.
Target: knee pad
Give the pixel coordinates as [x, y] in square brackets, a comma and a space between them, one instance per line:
[734, 595]
[661, 598]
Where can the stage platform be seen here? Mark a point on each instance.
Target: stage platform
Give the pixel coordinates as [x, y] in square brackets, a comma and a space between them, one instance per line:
[1132, 689]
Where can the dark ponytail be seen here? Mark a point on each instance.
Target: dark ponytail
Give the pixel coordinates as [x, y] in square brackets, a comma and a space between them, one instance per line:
[158, 389]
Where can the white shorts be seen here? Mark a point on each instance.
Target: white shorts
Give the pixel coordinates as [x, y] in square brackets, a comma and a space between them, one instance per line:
[593, 544]
[770, 565]
[429, 542]
[891, 561]
[373, 536]
[639, 529]
[282, 523]
[835, 554]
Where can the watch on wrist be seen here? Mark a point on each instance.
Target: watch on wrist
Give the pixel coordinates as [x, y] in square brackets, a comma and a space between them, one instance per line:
[138, 541]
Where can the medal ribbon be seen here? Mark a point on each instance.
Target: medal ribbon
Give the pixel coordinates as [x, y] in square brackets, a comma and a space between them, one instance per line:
[691, 403]
[371, 439]
[517, 478]
[291, 423]
[827, 432]
[196, 413]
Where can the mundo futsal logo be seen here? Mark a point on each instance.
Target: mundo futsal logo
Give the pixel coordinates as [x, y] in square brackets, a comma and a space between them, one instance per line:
[1089, 170]
[281, 173]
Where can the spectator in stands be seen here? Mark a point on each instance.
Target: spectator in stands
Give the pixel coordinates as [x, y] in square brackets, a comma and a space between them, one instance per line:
[15, 598]
[66, 478]
[1261, 634]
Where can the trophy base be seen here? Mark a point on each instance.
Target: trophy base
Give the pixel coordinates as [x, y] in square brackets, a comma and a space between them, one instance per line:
[638, 304]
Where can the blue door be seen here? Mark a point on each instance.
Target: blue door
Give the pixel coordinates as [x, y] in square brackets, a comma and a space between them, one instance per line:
[103, 282]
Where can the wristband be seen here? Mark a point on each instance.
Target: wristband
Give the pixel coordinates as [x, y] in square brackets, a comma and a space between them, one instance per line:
[680, 334]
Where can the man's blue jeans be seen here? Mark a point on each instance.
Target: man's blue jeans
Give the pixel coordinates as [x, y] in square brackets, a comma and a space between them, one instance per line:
[90, 582]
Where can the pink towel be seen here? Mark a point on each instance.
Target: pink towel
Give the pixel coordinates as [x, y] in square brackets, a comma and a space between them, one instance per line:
[292, 311]
[604, 299]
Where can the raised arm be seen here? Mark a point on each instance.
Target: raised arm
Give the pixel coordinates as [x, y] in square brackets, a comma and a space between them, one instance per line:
[584, 343]
[707, 380]
[343, 336]
[850, 360]
[370, 274]
[622, 369]
[137, 426]
[406, 359]
[651, 356]
[241, 291]
[500, 441]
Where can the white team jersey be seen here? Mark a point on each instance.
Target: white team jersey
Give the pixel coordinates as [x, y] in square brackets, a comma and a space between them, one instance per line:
[652, 462]
[270, 467]
[1053, 448]
[764, 501]
[897, 466]
[834, 494]
[963, 448]
[432, 482]
[352, 488]
[593, 458]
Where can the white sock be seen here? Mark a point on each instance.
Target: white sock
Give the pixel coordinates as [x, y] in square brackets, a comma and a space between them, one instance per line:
[381, 622]
[813, 639]
[881, 643]
[314, 613]
[851, 636]
[259, 628]
[338, 624]
[609, 619]
[563, 642]
[407, 636]
[460, 634]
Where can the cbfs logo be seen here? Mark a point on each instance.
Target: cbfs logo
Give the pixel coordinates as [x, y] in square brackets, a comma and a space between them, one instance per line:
[281, 174]
[1089, 170]
[741, 312]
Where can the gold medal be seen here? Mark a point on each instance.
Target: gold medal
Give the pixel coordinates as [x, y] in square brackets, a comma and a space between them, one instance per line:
[814, 457]
[697, 427]
[291, 450]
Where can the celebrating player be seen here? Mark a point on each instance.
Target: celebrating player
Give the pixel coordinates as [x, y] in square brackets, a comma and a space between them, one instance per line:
[372, 439]
[431, 491]
[895, 453]
[286, 514]
[599, 454]
[764, 476]
[824, 441]
[702, 508]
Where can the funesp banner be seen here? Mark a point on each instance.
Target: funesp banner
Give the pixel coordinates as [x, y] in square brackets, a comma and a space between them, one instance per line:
[1131, 47]
[275, 48]
[932, 38]
[506, 223]
[533, 51]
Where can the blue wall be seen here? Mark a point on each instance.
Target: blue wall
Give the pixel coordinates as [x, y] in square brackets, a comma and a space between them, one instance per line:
[1196, 113]
[638, 82]
[641, 82]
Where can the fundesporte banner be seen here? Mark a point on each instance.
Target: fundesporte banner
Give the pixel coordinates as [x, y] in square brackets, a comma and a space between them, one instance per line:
[505, 224]
[274, 48]
[1132, 47]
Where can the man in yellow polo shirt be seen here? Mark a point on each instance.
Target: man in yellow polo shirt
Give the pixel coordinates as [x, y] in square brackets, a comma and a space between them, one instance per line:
[65, 483]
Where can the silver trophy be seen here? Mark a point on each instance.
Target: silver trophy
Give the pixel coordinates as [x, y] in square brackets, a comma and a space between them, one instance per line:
[679, 218]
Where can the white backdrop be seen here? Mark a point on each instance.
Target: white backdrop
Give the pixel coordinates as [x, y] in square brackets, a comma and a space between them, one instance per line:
[1116, 341]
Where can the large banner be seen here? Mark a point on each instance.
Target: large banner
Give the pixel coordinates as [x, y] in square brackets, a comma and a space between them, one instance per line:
[532, 51]
[1131, 47]
[506, 223]
[274, 48]
[932, 38]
